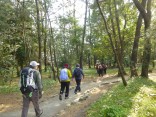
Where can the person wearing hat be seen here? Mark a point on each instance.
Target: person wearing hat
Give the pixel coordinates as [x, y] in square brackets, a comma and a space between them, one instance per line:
[36, 92]
[78, 75]
[65, 76]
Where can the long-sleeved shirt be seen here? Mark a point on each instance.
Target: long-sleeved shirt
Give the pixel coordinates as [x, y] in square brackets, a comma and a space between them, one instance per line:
[38, 80]
[78, 77]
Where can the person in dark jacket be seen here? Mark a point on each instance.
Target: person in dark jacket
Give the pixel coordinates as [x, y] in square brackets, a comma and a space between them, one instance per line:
[78, 75]
[36, 93]
[100, 70]
[104, 68]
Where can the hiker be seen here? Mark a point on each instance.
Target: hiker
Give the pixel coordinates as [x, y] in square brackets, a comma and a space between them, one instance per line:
[65, 76]
[96, 66]
[100, 70]
[31, 88]
[104, 68]
[78, 75]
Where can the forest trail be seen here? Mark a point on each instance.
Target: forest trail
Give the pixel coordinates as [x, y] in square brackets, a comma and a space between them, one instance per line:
[54, 107]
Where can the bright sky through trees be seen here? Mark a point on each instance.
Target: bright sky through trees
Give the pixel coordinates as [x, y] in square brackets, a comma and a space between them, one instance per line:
[65, 7]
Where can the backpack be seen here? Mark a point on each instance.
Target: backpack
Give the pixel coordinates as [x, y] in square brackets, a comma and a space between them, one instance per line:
[27, 80]
[77, 72]
[63, 75]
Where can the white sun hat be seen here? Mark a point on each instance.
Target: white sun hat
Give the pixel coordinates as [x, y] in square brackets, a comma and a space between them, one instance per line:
[34, 63]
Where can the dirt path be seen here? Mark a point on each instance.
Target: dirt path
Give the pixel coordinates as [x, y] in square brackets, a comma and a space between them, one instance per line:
[79, 109]
[75, 106]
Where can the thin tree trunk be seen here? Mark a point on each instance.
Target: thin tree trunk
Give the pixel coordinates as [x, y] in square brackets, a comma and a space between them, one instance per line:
[90, 35]
[83, 36]
[25, 42]
[120, 47]
[45, 40]
[95, 58]
[39, 36]
[136, 43]
[114, 32]
[51, 58]
[54, 53]
[146, 14]
[75, 33]
[50, 46]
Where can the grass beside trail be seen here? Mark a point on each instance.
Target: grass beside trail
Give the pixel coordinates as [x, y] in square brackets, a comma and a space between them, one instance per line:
[14, 88]
[138, 99]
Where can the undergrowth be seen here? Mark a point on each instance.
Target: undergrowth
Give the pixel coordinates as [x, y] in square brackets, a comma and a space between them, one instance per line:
[138, 99]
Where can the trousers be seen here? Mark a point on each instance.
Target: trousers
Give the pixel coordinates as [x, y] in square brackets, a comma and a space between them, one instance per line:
[65, 86]
[78, 83]
[26, 101]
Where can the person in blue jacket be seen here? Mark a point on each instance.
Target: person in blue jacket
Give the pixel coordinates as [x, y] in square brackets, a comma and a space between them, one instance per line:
[78, 75]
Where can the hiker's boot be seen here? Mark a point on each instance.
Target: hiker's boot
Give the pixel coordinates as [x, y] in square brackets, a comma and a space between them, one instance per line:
[66, 97]
[75, 92]
[39, 115]
[79, 89]
[60, 97]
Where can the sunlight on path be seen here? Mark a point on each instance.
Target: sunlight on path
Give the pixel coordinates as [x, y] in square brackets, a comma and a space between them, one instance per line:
[152, 76]
[3, 107]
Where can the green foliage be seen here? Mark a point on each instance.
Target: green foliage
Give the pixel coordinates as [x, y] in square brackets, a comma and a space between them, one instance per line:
[21, 55]
[6, 13]
[13, 87]
[5, 75]
[111, 111]
[89, 72]
[8, 89]
[6, 61]
[68, 40]
[122, 101]
[12, 36]
[48, 83]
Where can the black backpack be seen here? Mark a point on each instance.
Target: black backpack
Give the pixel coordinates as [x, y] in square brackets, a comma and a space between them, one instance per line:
[27, 81]
[77, 72]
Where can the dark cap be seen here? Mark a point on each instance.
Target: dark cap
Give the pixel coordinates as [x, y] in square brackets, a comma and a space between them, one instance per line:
[77, 65]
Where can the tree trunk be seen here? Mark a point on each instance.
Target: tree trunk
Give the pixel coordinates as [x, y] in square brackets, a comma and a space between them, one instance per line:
[83, 36]
[146, 14]
[135, 44]
[51, 58]
[75, 33]
[45, 35]
[90, 42]
[120, 47]
[89, 62]
[51, 54]
[135, 48]
[39, 36]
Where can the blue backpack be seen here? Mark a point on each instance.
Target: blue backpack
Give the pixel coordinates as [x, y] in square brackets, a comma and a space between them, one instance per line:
[64, 74]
